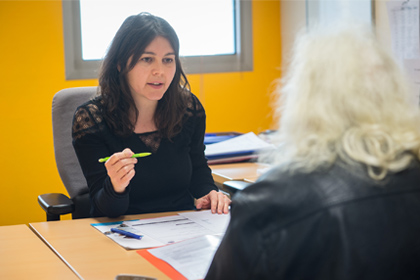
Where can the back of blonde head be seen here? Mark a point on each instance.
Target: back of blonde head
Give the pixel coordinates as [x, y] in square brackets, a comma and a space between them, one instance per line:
[345, 97]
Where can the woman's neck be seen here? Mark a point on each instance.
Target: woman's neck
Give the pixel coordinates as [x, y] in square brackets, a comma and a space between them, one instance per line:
[145, 120]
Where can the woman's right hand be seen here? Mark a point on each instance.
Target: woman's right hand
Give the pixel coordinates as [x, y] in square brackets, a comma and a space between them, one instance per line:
[120, 168]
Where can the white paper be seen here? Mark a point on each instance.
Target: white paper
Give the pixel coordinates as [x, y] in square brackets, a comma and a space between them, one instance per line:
[404, 25]
[166, 230]
[127, 242]
[217, 222]
[245, 142]
[170, 229]
[192, 258]
[412, 67]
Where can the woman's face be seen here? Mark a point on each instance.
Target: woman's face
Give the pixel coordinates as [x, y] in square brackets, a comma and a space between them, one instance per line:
[153, 72]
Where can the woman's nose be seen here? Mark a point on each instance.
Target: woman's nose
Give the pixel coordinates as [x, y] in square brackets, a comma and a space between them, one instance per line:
[157, 68]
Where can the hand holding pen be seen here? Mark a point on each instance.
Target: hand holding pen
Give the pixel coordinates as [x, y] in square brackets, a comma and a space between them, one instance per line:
[120, 168]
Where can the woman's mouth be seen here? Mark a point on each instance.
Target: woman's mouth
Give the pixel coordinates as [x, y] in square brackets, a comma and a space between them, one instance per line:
[155, 85]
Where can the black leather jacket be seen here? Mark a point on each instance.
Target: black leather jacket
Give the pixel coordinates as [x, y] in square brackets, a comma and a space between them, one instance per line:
[332, 224]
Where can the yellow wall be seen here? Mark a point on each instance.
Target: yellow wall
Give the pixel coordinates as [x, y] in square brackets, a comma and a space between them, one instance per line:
[32, 70]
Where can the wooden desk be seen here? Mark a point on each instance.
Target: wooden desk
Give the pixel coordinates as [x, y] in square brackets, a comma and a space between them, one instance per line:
[247, 171]
[24, 256]
[90, 253]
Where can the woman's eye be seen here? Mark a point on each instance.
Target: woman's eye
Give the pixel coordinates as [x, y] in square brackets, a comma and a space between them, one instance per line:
[168, 60]
[146, 59]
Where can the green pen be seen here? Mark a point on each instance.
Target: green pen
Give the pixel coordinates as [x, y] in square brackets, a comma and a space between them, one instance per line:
[133, 156]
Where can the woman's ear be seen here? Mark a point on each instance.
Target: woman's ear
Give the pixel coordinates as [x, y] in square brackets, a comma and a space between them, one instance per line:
[119, 68]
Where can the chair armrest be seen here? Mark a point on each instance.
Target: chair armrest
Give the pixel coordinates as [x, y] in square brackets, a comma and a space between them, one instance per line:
[234, 186]
[55, 204]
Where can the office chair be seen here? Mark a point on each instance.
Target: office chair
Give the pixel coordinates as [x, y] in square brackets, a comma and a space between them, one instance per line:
[64, 105]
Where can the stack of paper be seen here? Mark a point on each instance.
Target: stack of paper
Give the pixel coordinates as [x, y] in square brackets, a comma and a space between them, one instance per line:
[191, 258]
[166, 230]
[240, 148]
[211, 138]
[186, 242]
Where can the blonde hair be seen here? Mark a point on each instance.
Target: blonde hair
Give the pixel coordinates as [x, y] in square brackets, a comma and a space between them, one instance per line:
[345, 97]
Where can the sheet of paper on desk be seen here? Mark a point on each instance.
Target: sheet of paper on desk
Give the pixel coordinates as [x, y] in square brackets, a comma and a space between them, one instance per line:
[217, 222]
[126, 242]
[245, 142]
[192, 257]
[182, 226]
[170, 230]
[166, 230]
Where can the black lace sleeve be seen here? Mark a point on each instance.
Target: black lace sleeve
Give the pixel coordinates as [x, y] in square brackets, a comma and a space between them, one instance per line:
[87, 120]
[194, 107]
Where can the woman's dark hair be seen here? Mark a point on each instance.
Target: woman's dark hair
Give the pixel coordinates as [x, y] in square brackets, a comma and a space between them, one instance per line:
[134, 35]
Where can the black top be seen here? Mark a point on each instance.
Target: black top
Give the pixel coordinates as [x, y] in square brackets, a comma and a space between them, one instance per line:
[335, 223]
[168, 180]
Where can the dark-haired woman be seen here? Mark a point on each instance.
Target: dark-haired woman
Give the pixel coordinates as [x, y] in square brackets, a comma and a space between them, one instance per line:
[144, 105]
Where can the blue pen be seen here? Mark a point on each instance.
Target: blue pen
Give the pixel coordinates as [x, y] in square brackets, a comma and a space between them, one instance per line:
[126, 233]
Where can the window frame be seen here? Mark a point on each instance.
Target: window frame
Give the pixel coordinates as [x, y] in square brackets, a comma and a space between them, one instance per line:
[313, 11]
[77, 68]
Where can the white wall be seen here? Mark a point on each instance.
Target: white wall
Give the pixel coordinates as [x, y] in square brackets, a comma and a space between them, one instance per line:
[292, 20]
[382, 23]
